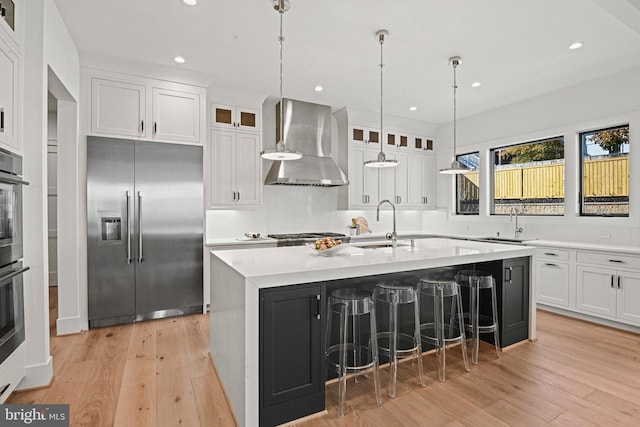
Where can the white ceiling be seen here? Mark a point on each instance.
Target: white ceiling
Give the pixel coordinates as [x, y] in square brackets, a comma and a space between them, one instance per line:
[517, 48]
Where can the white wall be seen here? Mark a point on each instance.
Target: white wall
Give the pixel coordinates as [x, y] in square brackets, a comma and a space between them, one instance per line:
[47, 48]
[600, 103]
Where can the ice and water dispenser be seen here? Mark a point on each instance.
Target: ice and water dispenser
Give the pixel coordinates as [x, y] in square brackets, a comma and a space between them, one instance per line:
[110, 227]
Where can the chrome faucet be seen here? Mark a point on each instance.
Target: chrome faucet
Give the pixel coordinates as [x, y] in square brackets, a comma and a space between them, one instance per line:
[393, 236]
[515, 211]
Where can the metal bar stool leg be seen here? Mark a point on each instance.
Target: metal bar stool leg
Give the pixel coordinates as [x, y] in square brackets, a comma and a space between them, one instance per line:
[495, 318]
[475, 319]
[374, 344]
[393, 345]
[442, 346]
[463, 343]
[418, 339]
[342, 386]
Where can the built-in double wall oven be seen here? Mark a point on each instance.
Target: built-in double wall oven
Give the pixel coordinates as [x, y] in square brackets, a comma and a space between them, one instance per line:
[11, 267]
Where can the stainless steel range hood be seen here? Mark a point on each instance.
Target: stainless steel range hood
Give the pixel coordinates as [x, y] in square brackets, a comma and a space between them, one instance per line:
[308, 130]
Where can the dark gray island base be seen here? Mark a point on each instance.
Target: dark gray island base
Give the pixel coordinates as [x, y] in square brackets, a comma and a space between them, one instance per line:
[285, 378]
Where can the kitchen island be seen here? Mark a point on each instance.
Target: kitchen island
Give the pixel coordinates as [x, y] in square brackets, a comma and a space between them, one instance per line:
[242, 280]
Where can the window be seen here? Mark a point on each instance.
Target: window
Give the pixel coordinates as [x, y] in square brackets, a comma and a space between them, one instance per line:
[604, 169]
[468, 185]
[529, 178]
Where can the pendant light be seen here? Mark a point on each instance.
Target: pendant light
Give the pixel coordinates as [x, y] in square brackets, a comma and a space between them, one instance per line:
[381, 161]
[281, 152]
[455, 168]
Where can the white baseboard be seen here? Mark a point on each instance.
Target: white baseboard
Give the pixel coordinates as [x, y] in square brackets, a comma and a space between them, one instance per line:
[37, 375]
[68, 325]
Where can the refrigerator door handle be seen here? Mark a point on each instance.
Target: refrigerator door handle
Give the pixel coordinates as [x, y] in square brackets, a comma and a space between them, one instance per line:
[128, 228]
[140, 258]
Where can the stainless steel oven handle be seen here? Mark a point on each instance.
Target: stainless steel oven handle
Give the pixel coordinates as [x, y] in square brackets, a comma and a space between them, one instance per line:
[13, 274]
[128, 228]
[11, 179]
[140, 257]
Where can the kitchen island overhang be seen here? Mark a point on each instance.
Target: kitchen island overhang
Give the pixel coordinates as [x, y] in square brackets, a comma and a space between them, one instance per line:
[237, 276]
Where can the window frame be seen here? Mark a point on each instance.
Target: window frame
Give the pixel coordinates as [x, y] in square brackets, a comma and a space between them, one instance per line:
[581, 212]
[457, 201]
[492, 165]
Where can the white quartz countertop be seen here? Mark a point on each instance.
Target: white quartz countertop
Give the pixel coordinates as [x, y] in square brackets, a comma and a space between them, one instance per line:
[585, 245]
[266, 267]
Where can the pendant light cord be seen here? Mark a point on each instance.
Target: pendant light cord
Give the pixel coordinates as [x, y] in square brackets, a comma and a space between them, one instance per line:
[280, 144]
[455, 86]
[381, 92]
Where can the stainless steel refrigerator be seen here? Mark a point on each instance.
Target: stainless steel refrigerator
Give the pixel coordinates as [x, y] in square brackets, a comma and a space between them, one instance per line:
[144, 230]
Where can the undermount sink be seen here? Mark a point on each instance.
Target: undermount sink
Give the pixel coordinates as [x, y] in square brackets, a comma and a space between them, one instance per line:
[378, 245]
[513, 240]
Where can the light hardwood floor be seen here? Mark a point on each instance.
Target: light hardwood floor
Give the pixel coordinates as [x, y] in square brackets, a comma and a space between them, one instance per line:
[158, 373]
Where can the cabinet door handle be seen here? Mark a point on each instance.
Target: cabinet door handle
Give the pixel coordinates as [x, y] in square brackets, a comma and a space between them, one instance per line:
[619, 282]
[617, 261]
[509, 271]
[318, 307]
[550, 264]
[550, 254]
[2, 119]
[234, 195]
[4, 389]
[612, 281]
[238, 196]
[155, 127]
[141, 125]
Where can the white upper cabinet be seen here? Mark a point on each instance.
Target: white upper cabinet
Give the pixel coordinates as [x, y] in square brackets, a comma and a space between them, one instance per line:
[422, 180]
[147, 109]
[9, 79]
[409, 185]
[235, 168]
[118, 108]
[246, 119]
[176, 115]
[363, 181]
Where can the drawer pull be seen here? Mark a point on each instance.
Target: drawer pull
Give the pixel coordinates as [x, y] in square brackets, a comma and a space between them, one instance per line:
[619, 261]
[4, 389]
[551, 254]
[550, 264]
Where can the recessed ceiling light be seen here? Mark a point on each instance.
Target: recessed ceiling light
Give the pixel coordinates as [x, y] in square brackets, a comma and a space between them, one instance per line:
[576, 45]
[413, 108]
[476, 84]
[190, 2]
[179, 59]
[318, 88]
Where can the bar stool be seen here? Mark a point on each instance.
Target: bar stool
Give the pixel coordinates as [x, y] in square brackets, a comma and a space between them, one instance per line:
[475, 322]
[349, 353]
[440, 333]
[396, 340]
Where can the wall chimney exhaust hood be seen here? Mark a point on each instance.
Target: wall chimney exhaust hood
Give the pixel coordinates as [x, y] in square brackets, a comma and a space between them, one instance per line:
[307, 129]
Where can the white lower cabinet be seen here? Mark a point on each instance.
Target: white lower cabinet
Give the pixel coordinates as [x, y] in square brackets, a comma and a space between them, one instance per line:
[553, 272]
[235, 168]
[552, 280]
[611, 293]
